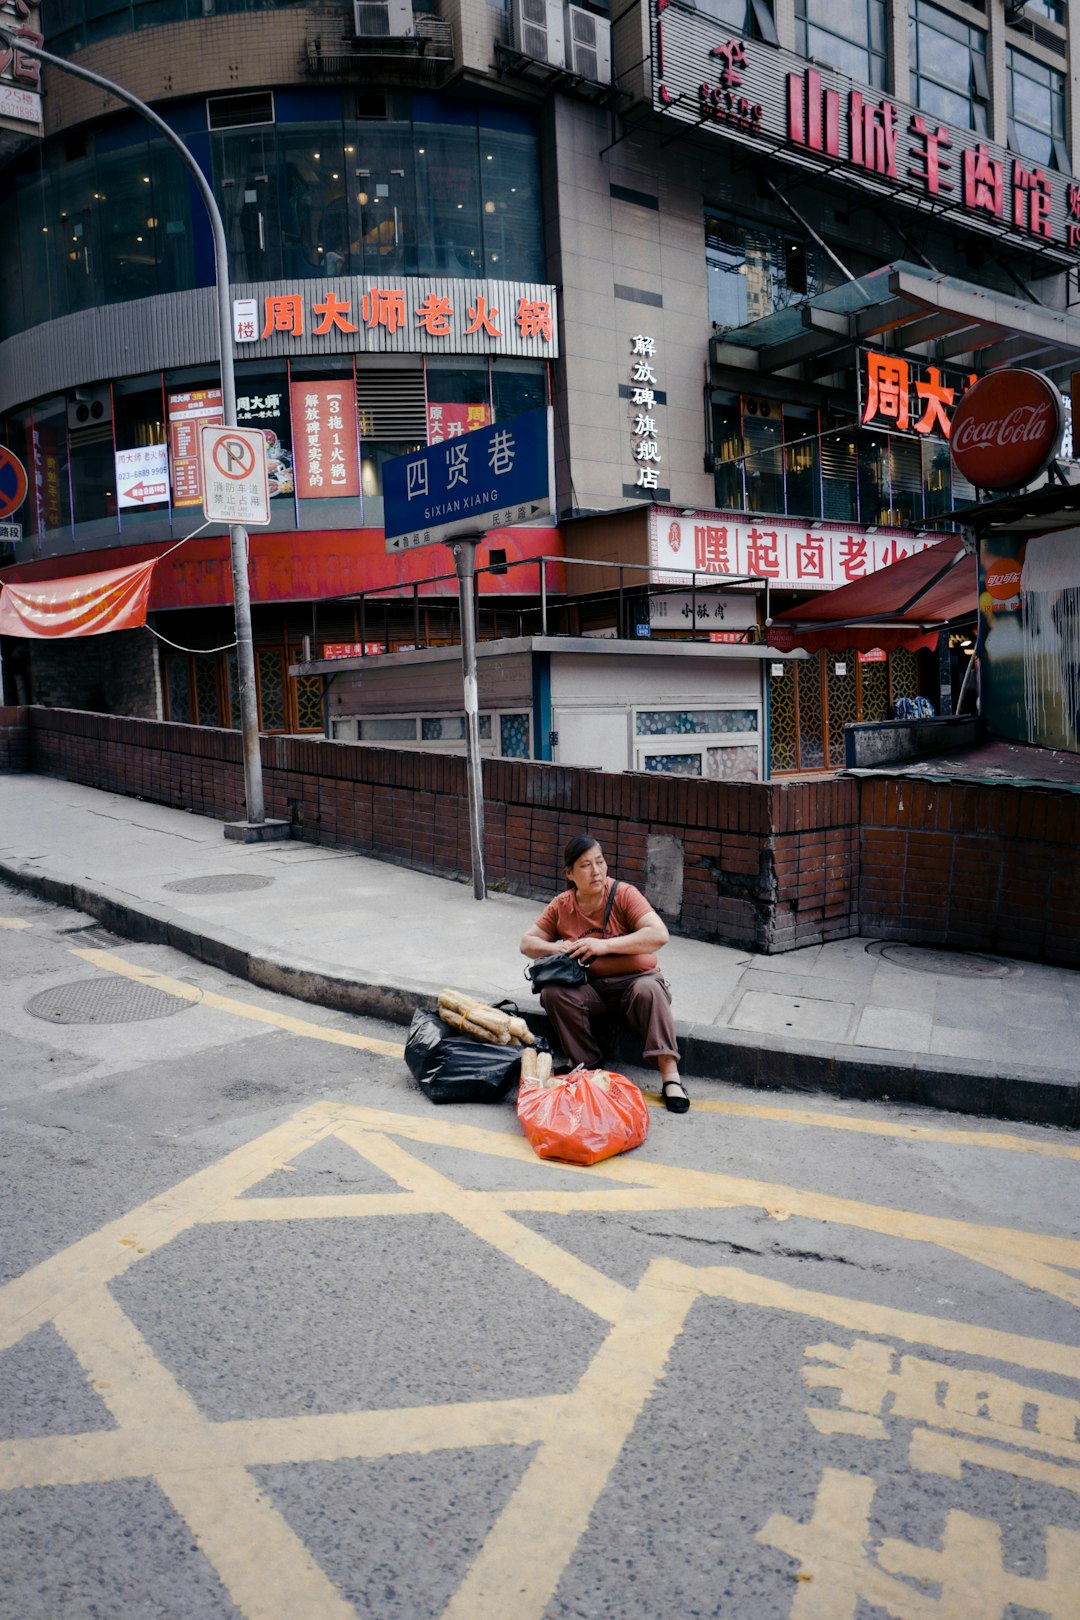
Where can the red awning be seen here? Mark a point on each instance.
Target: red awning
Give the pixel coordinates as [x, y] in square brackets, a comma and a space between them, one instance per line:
[86, 605]
[904, 605]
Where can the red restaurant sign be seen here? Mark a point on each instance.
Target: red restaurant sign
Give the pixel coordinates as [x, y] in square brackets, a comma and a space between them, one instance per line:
[1007, 429]
[326, 456]
[813, 118]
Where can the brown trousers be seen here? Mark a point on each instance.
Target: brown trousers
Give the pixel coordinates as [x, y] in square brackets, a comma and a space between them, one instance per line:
[641, 1000]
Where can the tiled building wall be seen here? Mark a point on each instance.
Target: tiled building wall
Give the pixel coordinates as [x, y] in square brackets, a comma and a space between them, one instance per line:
[768, 867]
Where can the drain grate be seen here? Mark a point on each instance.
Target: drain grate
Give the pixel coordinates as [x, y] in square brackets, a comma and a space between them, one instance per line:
[957, 964]
[103, 1001]
[220, 883]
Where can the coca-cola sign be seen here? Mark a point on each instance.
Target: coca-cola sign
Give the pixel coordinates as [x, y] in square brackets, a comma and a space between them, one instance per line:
[1007, 429]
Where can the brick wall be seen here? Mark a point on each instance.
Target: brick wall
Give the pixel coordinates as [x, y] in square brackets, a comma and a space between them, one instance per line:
[971, 865]
[14, 739]
[767, 867]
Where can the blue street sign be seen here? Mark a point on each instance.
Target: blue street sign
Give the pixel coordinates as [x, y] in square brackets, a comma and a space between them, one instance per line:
[491, 478]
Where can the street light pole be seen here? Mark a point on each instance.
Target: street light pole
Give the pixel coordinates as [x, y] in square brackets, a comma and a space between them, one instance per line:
[238, 536]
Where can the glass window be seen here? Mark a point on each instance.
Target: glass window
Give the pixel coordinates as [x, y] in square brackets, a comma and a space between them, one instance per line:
[693, 722]
[386, 730]
[1036, 110]
[448, 199]
[512, 217]
[850, 35]
[948, 66]
[517, 386]
[753, 270]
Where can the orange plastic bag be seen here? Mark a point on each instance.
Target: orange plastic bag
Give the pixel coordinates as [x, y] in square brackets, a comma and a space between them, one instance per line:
[590, 1114]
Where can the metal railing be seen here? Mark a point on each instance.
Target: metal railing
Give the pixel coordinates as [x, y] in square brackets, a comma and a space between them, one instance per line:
[702, 585]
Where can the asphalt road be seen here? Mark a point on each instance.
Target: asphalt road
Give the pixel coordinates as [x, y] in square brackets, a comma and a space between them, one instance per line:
[280, 1340]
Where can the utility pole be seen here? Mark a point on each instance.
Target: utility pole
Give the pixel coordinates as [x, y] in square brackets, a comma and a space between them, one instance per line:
[256, 828]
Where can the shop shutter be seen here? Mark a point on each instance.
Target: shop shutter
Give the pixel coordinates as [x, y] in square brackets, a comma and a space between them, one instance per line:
[391, 405]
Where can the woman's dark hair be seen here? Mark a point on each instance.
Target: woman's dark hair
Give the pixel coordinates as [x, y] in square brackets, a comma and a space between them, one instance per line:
[578, 846]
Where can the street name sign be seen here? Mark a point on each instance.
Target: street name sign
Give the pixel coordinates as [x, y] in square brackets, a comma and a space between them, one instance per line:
[495, 476]
[236, 486]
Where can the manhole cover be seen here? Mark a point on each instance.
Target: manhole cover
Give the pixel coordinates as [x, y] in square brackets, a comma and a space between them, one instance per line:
[959, 965]
[103, 1001]
[220, 883]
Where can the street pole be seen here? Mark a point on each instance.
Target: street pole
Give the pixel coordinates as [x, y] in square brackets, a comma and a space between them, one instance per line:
[238, 536]
[464, 550]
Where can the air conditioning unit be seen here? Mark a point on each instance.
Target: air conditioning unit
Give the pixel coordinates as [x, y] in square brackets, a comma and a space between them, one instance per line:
[538, 30]
[89, 407]
[382, 19]
[590, 45]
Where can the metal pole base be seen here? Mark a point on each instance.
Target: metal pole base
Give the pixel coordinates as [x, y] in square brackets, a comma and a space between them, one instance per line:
[258, 832]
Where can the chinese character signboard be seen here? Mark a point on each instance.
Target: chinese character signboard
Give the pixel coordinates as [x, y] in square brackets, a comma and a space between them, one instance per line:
[644, 384]
[725, 614]
[142, 477]
[448, 421]
[502, 474]
[759, 95]
[20, 74]
[325, 444]
[908, 396]
[398, 315]
[793, 556]
[187, 413]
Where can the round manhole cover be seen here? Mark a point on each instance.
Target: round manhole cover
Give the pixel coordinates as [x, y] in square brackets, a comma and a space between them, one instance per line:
[957, 964]
[103, 1001]
[220, 883]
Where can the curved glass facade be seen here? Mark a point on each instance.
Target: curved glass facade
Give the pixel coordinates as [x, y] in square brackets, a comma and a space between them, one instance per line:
[111, 214]
[71, 24]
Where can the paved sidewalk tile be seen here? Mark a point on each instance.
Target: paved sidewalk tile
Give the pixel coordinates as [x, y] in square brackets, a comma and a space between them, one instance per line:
[903, 1028]
[793, 1016]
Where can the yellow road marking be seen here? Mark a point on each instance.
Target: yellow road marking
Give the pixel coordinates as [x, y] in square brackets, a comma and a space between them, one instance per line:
[109, 962]
[959, 1137]
[112, 963]
[203, 1467]
[14, 923]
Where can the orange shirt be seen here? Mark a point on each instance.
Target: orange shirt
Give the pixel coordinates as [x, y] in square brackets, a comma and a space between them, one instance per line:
[565, 919]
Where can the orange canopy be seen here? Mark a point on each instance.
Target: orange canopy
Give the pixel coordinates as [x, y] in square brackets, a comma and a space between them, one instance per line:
[904, 605]
[88, 605]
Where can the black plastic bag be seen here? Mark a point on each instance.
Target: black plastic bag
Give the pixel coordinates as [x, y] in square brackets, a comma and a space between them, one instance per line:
[456, 1068]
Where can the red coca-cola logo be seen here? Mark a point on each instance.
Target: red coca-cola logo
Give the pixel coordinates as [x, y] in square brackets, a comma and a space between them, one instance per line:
[1007, 429]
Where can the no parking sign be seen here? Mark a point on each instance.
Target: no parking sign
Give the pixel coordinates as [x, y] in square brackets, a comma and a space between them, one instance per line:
[236, 488]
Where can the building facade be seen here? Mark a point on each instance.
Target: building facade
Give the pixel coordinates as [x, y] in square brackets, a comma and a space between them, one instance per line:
[751, 251]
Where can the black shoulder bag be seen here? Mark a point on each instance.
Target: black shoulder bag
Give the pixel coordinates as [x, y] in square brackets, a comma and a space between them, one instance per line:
[563, 969]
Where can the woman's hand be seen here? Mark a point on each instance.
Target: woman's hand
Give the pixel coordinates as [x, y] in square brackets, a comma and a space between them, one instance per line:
[585, 949]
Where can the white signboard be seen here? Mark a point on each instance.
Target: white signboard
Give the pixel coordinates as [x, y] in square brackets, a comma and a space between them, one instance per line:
[142, 476]
[707, 609]
[10, 533]
[236, 487]
[792, 555]
[22, 105]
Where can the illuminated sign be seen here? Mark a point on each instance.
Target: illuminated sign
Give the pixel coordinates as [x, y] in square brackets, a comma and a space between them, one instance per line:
[1008, 429]
[908, 396]
[643, 387]
[777, 102]
[410, 314]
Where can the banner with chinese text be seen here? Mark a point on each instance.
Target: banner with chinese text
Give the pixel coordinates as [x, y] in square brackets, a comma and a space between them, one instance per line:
[792, 555]
[88, 605]
[327, 460]
[187, 414]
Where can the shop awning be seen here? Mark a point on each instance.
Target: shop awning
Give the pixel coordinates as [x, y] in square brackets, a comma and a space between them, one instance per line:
[84, 605]
[904, 605]
[947, 319]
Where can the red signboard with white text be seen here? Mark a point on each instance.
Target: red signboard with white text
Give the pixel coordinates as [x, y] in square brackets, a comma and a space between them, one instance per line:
[201, 407]
[326, 456]
[809, 117]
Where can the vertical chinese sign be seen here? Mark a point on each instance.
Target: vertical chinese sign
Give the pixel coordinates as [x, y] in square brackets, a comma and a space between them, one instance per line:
[187, 414]
[325, 450]
[450, 421]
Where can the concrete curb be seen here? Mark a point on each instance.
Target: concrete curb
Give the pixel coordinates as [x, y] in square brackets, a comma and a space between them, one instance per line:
[759, 1062]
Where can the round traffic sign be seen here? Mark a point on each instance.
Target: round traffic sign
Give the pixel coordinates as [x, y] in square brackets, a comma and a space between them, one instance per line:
[234, 457]
[13, 485]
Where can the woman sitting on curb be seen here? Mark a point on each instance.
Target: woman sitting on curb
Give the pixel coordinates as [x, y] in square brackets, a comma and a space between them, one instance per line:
[624, 979]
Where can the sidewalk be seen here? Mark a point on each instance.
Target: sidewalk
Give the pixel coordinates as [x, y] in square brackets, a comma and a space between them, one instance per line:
[857, 1018]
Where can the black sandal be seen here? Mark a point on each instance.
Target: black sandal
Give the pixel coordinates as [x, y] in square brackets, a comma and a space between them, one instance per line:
[674, 1105]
